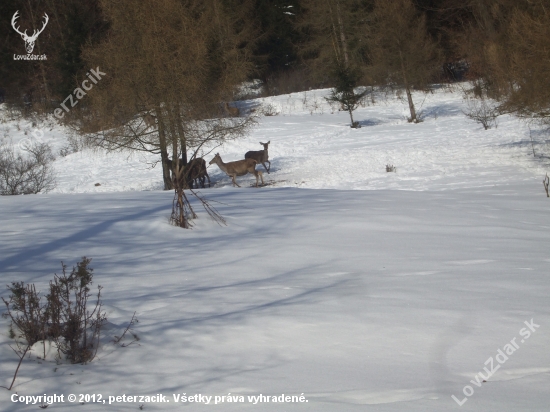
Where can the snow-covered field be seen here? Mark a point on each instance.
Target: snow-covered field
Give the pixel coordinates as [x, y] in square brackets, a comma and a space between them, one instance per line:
[360, 289]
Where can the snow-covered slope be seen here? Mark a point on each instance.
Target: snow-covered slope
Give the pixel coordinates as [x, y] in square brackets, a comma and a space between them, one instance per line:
[312, 146]
[376, 300]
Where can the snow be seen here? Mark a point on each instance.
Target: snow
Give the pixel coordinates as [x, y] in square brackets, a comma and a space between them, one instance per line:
[358, 288]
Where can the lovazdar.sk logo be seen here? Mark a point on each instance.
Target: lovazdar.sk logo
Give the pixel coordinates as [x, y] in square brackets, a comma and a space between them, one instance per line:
[29, 40]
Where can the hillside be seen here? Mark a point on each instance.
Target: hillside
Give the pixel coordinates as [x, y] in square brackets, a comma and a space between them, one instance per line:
[360, 289]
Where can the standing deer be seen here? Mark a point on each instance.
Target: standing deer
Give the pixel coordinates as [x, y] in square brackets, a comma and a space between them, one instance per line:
[194, 173]
[238, 168]
[196, 170]
[260, 156]
[29, 40]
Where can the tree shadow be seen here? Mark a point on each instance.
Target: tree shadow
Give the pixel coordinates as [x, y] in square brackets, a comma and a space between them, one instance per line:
[11, 262]
[369, 123]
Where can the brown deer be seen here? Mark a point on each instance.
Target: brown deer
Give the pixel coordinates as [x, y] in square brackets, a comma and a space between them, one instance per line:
[260, 156]
[197, 172]
[194, 173]
[238, 168]
[231, 111]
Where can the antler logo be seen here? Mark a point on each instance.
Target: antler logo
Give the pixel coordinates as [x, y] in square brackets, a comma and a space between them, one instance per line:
[29, 40]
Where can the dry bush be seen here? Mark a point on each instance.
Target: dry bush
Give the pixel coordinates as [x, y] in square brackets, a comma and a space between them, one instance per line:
[65, 317]
[482, 111]
[27, 313]
[29, 174]
[74, 327]
[507, 47]
[74, 144]
[268, 110]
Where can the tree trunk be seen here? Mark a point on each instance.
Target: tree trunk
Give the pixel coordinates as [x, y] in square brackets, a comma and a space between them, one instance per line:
[181, 133]
[408, 90]
[163, 151]
[165, 168]
[342, 35]
[334, 34]
[411, 105]
[351, 117]
[178, 215]
[41, 65]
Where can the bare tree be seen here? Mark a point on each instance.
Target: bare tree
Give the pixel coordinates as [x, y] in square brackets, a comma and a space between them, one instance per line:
[333, 35]
[483, 111]
[174, 61]
[30, 174]
[335, 48]
[400, 49]
[524, 62]
[506, 44]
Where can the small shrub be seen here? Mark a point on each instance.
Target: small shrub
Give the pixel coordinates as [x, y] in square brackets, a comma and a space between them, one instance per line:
[26, 174]
[27, 313]
[64, 317]
[480, 111]
[74, 145]
[269, 110]
[391, 168]
[74, 328]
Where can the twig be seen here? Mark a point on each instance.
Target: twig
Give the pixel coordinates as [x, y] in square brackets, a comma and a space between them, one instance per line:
[132, 321]
[18, 365]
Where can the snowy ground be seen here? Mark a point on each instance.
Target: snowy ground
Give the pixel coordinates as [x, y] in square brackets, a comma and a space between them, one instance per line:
[361, 297]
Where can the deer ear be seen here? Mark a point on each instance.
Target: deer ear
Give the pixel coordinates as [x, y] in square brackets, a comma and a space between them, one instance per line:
[268, 142]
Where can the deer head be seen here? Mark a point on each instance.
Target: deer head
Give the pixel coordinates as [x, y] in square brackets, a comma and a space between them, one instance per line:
[29, 40]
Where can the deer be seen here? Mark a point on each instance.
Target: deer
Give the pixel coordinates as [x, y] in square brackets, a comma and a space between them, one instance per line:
[194, 172]
[260, 156]
[231, 111]
[238, 168]
[197, 172]
[29, 40]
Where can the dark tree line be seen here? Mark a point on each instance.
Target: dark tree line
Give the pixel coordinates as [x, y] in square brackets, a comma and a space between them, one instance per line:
[170, 67]
[72, 24]
[292, 45]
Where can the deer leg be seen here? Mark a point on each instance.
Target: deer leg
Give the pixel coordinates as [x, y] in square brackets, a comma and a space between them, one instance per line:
[208, 177]
[258, 173]
[234, 181]
[265, 167]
